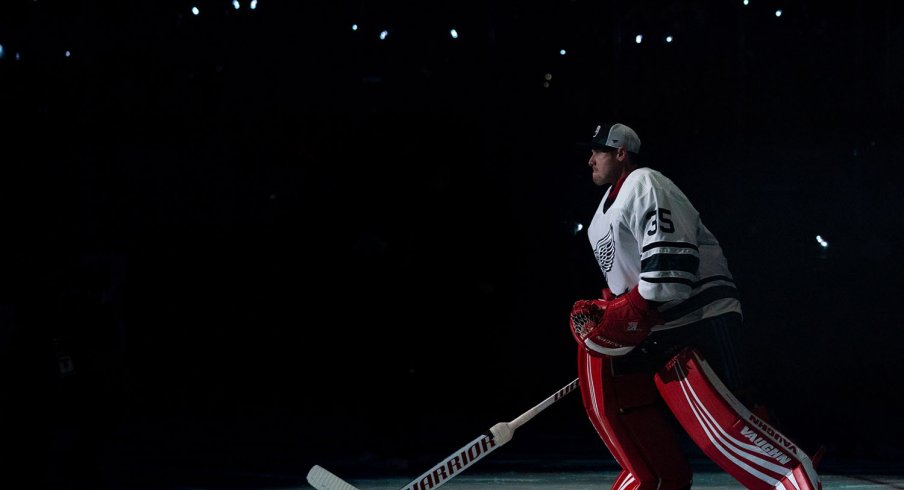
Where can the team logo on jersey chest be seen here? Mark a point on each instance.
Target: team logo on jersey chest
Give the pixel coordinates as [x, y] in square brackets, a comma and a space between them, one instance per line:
[605, 251]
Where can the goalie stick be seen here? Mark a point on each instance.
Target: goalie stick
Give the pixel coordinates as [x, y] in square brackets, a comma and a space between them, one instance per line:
[470, 453]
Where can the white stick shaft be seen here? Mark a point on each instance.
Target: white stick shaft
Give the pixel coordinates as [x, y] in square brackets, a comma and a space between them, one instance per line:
[475, 450]
[524, 417]
[469, 454]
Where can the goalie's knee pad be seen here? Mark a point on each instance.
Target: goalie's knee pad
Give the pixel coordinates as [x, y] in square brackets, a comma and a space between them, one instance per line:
[742, 444]
[627, 414]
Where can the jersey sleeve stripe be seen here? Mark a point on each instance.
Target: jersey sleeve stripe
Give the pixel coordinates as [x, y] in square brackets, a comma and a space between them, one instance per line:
[713, 279]
[670, 262]
[668, 280]
[678, 245]
[698, 301]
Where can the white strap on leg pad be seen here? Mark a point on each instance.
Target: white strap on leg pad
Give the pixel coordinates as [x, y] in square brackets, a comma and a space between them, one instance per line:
[742, 444]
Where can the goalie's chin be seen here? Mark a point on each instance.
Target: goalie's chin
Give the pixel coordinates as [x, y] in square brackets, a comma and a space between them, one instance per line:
[608, 348]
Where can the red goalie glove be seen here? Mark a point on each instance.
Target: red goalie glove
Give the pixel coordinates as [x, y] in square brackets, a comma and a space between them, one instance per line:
[613, 327]
[607, 294]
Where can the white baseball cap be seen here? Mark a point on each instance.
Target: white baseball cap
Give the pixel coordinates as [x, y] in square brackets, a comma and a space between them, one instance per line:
[617, 136]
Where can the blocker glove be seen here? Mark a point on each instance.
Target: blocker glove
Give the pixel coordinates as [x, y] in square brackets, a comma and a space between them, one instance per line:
[613, 327]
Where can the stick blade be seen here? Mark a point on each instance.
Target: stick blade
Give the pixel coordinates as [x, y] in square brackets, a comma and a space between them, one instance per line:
[321, 479]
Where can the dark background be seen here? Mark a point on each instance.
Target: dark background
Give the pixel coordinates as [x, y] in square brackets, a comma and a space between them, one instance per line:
[244, 242]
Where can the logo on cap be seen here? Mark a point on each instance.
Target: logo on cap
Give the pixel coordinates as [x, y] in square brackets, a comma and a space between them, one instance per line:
[598, 127]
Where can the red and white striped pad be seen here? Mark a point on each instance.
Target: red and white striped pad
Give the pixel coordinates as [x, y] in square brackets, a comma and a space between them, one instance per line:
[742, 444]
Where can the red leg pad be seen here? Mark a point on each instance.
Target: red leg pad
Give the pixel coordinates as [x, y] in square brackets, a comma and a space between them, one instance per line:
[625, 481]
[742, 444]
[627, 414]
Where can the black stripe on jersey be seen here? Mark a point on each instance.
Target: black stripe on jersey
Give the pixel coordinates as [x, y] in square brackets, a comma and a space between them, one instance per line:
[688, 282]
[699, 301]
[713, 278]
[671, 280]
[670, 262]
[653, 245]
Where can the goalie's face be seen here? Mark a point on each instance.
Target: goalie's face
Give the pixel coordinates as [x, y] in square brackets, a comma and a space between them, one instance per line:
[607, 165]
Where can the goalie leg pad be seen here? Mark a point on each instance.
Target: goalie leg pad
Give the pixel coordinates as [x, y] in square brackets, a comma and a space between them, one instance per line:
[627, 414]
[742, 444]
[625, 481]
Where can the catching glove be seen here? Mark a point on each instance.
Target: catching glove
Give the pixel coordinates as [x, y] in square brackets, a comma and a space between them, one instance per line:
[613, 327]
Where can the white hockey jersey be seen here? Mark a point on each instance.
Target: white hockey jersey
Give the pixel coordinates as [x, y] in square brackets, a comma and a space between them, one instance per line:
[652, 233]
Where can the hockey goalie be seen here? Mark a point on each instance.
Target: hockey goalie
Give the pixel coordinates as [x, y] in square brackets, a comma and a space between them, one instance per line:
[659, 342]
